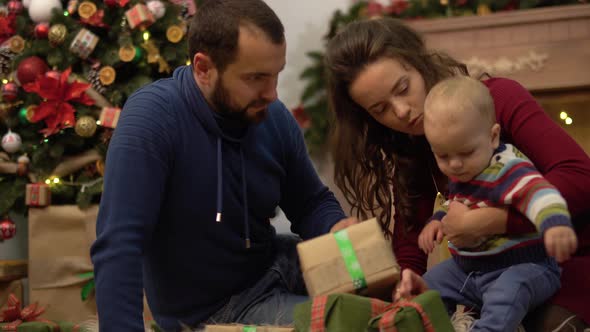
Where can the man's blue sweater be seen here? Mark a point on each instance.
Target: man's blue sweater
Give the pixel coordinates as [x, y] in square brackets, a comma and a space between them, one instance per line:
[171, 172]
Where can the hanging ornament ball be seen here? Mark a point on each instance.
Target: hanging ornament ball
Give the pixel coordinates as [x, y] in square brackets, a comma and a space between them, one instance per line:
[86, 9]
[7, 229]
[174, 33]
[11, 142]
[9, 91]
[157, 8]
[85, 126]
[30, 68]
[41, 30]
[16, 44]
[41, 10]
[57, 34]
[53, 74]
[15, 7]
[107, 75]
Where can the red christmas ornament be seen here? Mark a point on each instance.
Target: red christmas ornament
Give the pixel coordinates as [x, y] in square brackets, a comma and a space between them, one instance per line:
[42, 30]
[30, 68]
[15, 7]
[7, 229]
[53, 74]
[114, 3]
[9, 91]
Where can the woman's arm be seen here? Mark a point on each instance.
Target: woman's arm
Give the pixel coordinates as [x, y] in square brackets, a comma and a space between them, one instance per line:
[553, 152]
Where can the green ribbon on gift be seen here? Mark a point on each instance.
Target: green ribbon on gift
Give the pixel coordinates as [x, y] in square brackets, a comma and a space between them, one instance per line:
[88, 287]
[249, 329]
[350, 260]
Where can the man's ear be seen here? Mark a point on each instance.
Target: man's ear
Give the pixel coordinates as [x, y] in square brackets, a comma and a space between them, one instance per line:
[204, 69]
[495, 135]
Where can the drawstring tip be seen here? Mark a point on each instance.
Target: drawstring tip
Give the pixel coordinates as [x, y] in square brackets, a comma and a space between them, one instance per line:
[218, 218]
[248, 243]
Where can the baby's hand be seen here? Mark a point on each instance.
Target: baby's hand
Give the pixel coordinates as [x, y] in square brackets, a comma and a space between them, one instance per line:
[432, 232]
[560, 242]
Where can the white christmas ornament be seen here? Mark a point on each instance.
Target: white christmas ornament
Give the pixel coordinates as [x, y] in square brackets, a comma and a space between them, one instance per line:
[157, 8]
[40, 10]
[11, 142]
[26, 3]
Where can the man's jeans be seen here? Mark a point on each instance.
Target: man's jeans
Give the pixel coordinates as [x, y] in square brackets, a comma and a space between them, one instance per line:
[272, 299]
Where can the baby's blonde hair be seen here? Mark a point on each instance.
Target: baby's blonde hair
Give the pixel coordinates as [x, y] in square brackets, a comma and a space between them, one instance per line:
[458, 94]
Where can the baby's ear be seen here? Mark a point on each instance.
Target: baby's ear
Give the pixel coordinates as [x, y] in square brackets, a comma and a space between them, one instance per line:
[495, 132]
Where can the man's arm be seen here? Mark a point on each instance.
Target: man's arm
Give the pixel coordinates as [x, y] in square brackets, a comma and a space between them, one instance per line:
[307, 202]
[136, 169]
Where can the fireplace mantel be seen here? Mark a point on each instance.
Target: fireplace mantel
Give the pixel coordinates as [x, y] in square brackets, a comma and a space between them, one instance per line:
[544, 49]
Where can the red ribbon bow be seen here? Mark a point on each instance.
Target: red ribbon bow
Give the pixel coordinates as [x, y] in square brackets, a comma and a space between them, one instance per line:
[14, 315]
[56, 110]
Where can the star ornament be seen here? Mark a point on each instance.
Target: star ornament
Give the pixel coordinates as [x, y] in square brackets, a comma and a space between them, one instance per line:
[56, 108]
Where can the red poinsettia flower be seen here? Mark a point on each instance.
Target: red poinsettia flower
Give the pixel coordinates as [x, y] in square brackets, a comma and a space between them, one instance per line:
[374, 9]
[56, 110]
[302, 117]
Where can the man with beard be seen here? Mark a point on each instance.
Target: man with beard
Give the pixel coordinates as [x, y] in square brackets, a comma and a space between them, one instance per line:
[195, 170]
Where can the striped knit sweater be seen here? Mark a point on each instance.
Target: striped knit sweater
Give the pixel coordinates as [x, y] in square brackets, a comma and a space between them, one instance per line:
[510, 180]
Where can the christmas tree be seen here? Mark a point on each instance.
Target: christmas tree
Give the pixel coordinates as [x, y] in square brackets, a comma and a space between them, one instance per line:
[67, 68]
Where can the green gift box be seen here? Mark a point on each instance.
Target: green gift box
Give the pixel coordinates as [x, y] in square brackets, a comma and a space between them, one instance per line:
[425, 312]
[337, 312]
[43, 327]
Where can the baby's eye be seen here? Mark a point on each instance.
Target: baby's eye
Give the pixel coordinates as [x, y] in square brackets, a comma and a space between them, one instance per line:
[466, 154]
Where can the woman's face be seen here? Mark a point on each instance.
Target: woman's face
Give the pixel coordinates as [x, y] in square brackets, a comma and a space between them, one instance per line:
[393, 94]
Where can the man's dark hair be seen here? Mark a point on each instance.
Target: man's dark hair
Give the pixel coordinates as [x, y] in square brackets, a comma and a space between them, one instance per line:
[214, 30]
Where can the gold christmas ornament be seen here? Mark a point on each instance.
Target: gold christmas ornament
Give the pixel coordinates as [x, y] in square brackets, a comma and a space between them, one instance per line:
[153, 56]
[127, 53]
[57, 34]
[85, 126]
[107, 75]
[17, 44]
[86, 9]
[174, 33]
[483, 10]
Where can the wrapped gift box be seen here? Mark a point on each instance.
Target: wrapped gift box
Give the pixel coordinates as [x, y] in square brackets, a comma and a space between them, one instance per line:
[357, 259]
[337, 312]
[425, 312]
[139, 16]
[38, 194]
[84, 43]
[109, 116]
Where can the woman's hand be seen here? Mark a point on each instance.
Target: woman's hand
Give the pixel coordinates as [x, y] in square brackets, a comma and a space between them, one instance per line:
[411, 284]
[465, 227]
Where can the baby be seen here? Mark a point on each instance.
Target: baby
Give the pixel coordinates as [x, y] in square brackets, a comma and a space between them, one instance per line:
[503, 276]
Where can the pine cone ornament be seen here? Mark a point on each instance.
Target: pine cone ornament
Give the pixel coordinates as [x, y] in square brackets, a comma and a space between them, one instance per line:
[6, 57]
[94, 79]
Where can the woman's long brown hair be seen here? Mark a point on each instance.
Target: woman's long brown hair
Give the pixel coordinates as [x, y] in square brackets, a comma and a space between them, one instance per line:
[373, 163]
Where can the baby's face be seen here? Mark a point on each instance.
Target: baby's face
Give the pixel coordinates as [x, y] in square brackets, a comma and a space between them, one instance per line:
[462, 147]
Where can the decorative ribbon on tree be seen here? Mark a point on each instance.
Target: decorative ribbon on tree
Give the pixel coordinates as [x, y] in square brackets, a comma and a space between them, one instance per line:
[56, 110]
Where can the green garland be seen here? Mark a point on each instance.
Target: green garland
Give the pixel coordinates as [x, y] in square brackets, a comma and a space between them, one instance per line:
[313, 115]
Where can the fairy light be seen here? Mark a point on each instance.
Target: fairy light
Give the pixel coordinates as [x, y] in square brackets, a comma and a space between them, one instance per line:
[66, 13]
[55, 180]
[146, 35]
[188, 62]
[563, 115]
[47, 181]
[568, 121]
[98, 122]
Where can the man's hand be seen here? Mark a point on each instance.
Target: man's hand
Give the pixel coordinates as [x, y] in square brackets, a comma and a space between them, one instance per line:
[561, 242]
[409, 285]
[431, 233]
[342, 224]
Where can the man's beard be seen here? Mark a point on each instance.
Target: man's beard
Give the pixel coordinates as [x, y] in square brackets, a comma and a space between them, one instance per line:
[222, 103]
